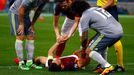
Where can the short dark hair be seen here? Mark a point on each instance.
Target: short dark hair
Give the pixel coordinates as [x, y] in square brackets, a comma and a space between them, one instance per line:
[54, 67]
[50, 62]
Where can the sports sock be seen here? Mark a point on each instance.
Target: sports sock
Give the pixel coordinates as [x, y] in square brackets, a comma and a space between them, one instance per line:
[119, 53]
[21, 62]
[19, 49]
[30, 49]
[60, 49]
[97, 57]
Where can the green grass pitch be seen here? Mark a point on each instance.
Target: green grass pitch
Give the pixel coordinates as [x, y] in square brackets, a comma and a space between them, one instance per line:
[45, 38]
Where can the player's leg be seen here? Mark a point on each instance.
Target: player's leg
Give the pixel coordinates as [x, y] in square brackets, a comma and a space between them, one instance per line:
[97, 57]
[19, 52]
[68, 23]
[99, 68]
[118, 45]
[18, 43]
[119, 54]
[97, 47]
[29, 46]
[30, 52]
[112, 42]
[59, 50]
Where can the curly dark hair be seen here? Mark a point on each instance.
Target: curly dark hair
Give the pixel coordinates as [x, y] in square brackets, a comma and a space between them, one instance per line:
[54, 67]
[79, 6]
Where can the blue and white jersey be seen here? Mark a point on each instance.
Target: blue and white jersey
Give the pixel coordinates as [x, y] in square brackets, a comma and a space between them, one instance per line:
[28, 4]
[101, 21]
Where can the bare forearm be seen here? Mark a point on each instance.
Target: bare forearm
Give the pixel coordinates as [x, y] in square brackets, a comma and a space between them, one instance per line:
[84, 40]
[52, 49]
[37, 13]
[56, 29]
[75, 25]
[73, 29]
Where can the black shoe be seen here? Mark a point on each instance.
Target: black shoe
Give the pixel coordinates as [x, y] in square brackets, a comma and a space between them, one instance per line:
[119, 69]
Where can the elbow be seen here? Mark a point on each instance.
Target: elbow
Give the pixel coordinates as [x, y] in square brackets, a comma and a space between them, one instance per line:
[21, 10]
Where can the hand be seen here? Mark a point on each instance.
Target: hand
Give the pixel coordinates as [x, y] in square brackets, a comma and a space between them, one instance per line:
[31, 28]
[20, 30]
[58, 38]
[62, 39]
[65, 37]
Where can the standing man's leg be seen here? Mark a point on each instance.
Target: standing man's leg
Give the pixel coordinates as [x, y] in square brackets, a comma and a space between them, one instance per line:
[119, 54]
[97, 47]
[118, 45]
[29, 45]
[19, 40]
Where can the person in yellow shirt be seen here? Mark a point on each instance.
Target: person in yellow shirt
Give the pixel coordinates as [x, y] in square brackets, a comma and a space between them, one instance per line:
[111, 7]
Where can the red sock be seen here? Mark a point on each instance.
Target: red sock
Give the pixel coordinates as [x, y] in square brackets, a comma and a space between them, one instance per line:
[60, 49]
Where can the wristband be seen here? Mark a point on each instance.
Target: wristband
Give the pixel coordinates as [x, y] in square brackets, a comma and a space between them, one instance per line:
[50, 57]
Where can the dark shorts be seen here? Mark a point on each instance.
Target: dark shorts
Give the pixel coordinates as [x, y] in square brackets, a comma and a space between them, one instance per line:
[113, 11]
[14, 24]
[100, 42]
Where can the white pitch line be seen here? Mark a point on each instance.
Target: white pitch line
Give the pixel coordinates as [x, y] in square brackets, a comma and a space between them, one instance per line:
[8, 66]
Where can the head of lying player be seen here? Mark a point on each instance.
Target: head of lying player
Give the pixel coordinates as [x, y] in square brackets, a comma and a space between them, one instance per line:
[56, 65]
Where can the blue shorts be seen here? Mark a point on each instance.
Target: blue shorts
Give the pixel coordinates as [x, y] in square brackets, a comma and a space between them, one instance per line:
[113, 11]
[100, 42]
[14, 24]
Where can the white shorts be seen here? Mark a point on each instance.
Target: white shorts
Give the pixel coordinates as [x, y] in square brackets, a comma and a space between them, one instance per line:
[67, 25]
[79, 29]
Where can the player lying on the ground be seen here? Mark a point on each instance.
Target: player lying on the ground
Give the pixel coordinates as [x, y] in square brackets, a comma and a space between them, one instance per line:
[65, 63]
[71, 62]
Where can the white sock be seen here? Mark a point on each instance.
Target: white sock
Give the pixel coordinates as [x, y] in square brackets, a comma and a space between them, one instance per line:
[21, 62]
[29, 60]
[97, 57]
[30, 49]
[19, 49]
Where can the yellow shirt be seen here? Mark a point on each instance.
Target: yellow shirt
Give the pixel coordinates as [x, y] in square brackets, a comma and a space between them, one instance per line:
[103, 2]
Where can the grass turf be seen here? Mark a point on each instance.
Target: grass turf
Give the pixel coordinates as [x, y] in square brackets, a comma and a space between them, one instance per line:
[45, 38]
